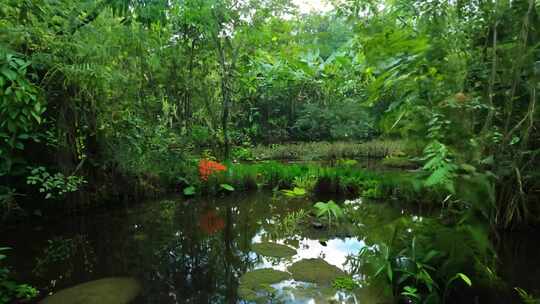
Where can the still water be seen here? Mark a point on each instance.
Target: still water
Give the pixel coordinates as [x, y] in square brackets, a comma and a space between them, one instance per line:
[181, 251]
[188, 251]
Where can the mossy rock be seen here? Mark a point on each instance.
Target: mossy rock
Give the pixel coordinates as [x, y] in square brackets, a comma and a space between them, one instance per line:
[254, 282]
[104, 291]
[315, 271]
[273, 250]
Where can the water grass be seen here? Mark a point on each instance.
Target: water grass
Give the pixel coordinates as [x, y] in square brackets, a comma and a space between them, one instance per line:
[328, 150]
[275, 175]
[340, 179]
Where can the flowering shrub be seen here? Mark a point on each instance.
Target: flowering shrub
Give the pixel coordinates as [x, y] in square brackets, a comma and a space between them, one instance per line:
[208, 167]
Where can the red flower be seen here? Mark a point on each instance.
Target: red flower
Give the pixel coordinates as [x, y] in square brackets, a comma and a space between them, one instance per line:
[208, 167]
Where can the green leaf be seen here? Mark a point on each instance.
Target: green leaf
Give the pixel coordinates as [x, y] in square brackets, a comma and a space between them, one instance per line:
[9, 74]
[36, 117]
[514, 140]
[464, 278]
[189, 190]
[389, 272]
[227, 187]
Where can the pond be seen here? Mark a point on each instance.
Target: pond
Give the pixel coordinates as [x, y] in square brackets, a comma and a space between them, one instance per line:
[194, 251]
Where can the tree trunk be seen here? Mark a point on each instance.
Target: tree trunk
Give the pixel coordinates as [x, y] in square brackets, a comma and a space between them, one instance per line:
[225, 96]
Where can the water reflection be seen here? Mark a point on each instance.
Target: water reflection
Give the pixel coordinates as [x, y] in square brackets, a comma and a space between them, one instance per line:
[334, 251]
[181, 251]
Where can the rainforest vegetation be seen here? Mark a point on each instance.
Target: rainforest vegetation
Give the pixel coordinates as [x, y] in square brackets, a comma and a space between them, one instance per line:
[176, 151]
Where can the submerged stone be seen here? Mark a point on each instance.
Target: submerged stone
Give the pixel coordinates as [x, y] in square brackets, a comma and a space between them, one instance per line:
[315, 271]
[254, 282]
[273, 250]
[104, 291]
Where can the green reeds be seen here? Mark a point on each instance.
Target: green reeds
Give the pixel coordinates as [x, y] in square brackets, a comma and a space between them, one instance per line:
[274, 175]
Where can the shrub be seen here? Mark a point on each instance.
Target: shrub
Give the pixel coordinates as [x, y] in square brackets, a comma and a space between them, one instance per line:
[9, 289]
[209, 167]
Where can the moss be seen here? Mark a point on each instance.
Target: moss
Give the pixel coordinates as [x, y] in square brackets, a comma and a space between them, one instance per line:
[253, 282]
[273, 250]
[105, 291]
[315, 271]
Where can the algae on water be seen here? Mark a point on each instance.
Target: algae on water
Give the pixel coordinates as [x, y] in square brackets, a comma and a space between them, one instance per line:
[255, 282]
[119, 290]
[315, 271]
[273, 250]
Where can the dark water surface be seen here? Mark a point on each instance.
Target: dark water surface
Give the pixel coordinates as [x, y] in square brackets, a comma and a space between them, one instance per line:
[181, 251]
[195, 251]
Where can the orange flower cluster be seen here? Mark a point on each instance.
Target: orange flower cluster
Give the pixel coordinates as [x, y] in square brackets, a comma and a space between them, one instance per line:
[208, 167]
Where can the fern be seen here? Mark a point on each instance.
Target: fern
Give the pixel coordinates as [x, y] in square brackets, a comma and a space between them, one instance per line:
[440, 166]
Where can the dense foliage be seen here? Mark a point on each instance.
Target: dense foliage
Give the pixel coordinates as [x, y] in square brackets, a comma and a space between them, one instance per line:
[102, 99]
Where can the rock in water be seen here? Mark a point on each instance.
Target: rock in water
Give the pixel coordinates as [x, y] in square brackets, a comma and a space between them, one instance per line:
[315, 271]
[119, 290]
[253, 282]
[273, 250]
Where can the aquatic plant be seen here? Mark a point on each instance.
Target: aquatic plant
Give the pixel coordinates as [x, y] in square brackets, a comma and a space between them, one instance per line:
[328, 211]
[307, 182]
[287, 225]
[295, 192]
[345, 283]
[272, 175]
